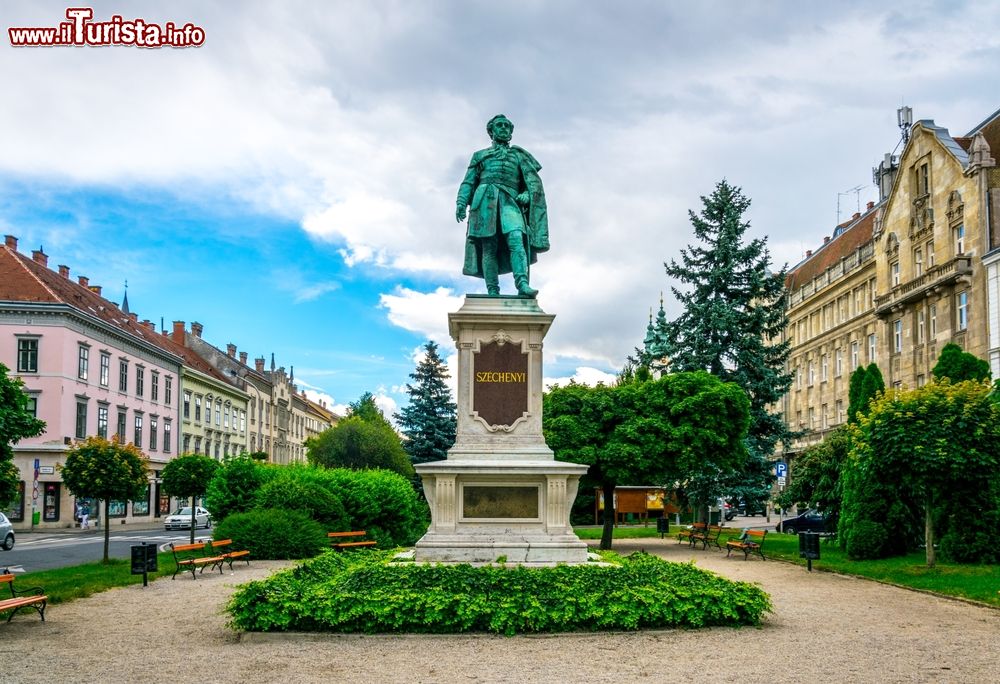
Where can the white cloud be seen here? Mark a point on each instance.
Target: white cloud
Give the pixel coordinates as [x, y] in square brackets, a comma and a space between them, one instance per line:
[583, 376]
[425, 313]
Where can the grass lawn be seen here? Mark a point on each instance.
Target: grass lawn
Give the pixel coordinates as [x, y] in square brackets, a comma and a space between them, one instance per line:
[976, 582]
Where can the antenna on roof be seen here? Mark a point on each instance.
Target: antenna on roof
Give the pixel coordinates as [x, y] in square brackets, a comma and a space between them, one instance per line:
[904, 119]
[857, 197]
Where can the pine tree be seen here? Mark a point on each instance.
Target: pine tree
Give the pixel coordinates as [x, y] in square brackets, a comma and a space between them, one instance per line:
[429, 420]
[732, 321]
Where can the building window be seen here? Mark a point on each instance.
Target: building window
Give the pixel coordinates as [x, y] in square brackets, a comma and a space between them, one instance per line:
[243, 421]
[855, 360]
[27, 355]
[923, 182]
[871, 348]
[208, 410]
[83, 362]
[218, 447]
[918, 262]
[121, 427]
[102, 422]
[894, 273]
[140, 374]
[32, 405]
[920, 326]
[168, 390]
[225, 417]
[857, 301]
[197, 407]
[838, 362]
[218, 413]
[959, 239]
[81, 420]
[840, 411]
[197, 445]
[123, 376]
[812, 418]
[823, 368]
[811, 373]
[154, 386]
[166, 436]
[823, 417]
[50, 510]
[933, 322]
[152, 432]
[798, 377]
[930, 254]
[897, 335]
[105, 369]
[962, 309]
[921, 380]
[137, 440]
[187, 443]
[187, 404]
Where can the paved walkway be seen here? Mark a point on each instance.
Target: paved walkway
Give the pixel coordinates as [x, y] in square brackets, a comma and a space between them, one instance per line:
[826, 628]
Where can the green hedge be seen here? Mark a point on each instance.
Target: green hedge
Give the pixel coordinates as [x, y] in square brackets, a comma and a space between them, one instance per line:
[382, 503]
[361, 592]
[274, 534]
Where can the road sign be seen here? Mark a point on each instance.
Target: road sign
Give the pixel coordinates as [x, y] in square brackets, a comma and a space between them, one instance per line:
[781, 481]
[781, 469]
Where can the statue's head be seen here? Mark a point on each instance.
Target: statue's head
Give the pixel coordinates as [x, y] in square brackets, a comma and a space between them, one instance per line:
[500, 128]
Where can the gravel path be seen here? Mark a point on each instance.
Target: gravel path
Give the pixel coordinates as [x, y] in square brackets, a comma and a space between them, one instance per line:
[825, 628]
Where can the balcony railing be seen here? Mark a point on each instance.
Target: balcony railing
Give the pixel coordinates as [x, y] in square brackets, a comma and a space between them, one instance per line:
[918, 288]
[852, 261]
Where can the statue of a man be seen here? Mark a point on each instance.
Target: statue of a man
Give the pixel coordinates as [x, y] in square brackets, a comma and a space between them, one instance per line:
[508, 225]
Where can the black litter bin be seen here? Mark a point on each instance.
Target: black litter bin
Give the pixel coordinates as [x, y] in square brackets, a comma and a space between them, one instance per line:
[809, 547]
[663, 526]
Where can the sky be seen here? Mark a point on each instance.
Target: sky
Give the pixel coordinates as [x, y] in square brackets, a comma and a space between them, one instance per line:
[290, 183]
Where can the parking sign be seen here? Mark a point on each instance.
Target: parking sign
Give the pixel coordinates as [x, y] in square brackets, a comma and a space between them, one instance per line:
[781, 469]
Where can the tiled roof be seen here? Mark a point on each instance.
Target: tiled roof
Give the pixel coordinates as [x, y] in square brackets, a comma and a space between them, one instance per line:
[849, 237]
[945, 138]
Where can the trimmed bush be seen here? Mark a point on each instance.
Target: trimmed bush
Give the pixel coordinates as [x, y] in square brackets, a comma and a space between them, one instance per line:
[274, 534]
[296, 493]
[361, 592]
[866, 540]
[382, 503]
[234, 486]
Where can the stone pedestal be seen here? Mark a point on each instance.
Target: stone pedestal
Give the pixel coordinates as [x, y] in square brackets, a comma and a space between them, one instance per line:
[500, 492]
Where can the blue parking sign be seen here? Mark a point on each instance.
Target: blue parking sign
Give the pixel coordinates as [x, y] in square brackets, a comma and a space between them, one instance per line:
[781, 469]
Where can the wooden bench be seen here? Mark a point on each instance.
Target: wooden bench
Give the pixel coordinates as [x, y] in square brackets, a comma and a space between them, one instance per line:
[341, 545]
[711, 537]
[22, 598]
[690, 533]
[753, 543]
[191, 558]
[223, 546]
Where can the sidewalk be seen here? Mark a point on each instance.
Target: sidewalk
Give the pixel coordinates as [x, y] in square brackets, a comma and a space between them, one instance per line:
[116, 526]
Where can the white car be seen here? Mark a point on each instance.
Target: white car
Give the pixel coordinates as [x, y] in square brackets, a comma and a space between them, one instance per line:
[6, 533]
[181, 519]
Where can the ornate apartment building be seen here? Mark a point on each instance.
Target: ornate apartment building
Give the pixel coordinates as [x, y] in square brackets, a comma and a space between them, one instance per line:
[895, 284]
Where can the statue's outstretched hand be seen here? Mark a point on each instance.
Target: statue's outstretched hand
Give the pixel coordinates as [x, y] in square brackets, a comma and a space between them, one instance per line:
[460, 214]
[524, 199]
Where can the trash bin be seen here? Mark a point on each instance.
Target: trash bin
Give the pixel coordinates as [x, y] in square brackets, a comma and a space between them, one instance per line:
[809, 547]
[36, 517]
[663, 526]
[714, 517]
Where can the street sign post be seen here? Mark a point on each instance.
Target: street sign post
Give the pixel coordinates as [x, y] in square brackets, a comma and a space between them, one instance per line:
[781, 469]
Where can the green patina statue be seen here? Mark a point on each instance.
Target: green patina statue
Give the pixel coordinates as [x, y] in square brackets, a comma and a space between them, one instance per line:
[508, 225]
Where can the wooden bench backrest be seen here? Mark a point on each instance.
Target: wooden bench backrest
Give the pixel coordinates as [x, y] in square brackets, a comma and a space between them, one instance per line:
[346, 534]
[221, 542]
[188, 547]
[6, 578]
[699, 526]
[756, 535]
[715, 529]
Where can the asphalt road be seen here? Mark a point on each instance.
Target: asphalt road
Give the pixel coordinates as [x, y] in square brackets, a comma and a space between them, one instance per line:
[45, 551]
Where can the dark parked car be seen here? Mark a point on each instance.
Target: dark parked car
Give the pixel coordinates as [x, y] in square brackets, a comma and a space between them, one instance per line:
[753, 508]
[810, 521]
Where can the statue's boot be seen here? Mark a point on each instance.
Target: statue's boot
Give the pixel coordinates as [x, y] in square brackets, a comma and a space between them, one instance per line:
[523, 288]
[493, 290]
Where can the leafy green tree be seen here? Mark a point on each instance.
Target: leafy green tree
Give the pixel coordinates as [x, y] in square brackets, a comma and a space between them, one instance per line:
[99, 469]
[16, 423]
[932, 445]
[359, 444]
[188, 477]
[658, 431]
[815, 476]
[866, 383]
[958, 365]
[429, 420]
[366, 409]
[732, 322]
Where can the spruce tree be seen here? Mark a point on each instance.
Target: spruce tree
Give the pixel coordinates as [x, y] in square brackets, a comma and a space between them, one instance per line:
[732, 322]
[429, 420]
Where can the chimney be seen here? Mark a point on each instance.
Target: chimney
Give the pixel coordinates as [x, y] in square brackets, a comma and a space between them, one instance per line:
[64, 271]
[134, 317]
[10, 241]
[38, 256]
[96, 289]
[871, 205]
[856, 216]
[259, 364]
[809, 253]
[243, 358]
[231, 350]
[196, 329]
[826, 239]
[178, 335]
[83, 280]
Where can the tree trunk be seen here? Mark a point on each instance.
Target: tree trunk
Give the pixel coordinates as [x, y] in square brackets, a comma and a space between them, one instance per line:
[609, 516]
[192, 518]
[107, 528]
[929, 535]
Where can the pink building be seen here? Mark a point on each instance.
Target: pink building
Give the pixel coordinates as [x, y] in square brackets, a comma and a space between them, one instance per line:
[90, 368]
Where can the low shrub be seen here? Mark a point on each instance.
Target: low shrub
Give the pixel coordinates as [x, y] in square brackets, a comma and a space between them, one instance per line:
[362, 592]
[235, 484]
[274, 534]
[289, 491]
[380, 502]
[866, 540]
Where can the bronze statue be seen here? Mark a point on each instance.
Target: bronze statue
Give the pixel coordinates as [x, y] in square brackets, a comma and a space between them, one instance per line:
[508, 225]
